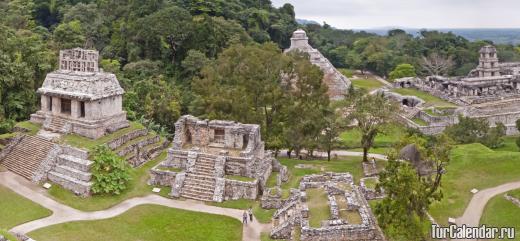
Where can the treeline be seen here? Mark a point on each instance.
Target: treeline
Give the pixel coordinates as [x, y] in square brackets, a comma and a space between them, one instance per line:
[431, 52]
[155, 47]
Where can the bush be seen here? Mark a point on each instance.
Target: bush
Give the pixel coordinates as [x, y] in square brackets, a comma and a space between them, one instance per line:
[111, 172]
[6, 126]
[403, 70]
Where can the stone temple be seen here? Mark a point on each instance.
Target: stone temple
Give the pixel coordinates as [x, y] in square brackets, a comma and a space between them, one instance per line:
[336, 82]
[214, 161]
[80, 98]
[491, 91]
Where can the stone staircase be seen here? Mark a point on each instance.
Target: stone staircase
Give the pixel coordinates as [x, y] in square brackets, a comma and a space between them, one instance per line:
[200, 182]
[138, 146]
[26, 156]
[55, 124]
[72, 173]
[411, 113]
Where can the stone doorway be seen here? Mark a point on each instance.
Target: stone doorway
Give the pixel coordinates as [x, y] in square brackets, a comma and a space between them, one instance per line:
[65, 106]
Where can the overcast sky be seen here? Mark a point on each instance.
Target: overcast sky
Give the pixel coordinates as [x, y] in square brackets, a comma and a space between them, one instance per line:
[348, 14]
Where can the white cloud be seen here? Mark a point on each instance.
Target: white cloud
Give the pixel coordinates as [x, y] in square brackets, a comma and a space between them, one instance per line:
[409, 13]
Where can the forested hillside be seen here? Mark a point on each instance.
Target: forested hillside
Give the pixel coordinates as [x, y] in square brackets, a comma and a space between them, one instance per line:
[158, 48]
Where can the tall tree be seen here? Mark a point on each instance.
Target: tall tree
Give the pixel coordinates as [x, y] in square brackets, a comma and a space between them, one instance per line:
[371, 113]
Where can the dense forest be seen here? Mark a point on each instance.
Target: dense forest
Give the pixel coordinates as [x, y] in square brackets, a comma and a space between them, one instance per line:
[215, 59]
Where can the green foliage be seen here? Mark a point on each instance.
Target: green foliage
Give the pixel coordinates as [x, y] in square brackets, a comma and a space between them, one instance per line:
[403, 70]
[111, 173]
[474, 130]
[372, 113]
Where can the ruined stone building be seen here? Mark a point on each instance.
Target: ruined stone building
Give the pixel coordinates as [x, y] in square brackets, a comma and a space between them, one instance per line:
[336, 82]
[80, 98]
[350, 219]
[490, 80]
[214, 161]
[491, 92]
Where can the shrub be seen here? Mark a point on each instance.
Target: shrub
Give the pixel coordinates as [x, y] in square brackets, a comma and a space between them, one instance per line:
[111, 172]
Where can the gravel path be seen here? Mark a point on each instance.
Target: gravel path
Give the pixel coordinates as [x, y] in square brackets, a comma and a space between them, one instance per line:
[475, 208]
[63, 213]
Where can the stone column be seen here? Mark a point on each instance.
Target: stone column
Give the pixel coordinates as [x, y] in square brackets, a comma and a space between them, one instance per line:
[56, 105]
[75, 109]
[44, 103]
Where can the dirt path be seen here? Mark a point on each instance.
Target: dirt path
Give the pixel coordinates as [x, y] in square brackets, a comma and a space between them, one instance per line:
[475, 208]
[63, 213]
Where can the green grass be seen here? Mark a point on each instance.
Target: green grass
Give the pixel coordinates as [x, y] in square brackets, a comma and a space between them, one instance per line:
[352, 138]
[15, 209]
[473, 166]
[137, 187]
[7, 135]
[171, 169]
[32, 127]
[347, 72]
[262, 215]
[346, 164]
[432, 113]
[240, 178]
[271, 181]
[318, 206]
[84, 142]
[500, 212]
[7, 235]
[375, 150]
[367, 84]
[371, 183]
[428, 98]
[420, 121]
[509, 144]
[515, 193]
[147, 223]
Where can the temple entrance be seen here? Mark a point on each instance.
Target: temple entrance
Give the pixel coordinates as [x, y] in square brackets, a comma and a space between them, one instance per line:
[65, 106]
[82, 109]
[219, 136]
[405, 102]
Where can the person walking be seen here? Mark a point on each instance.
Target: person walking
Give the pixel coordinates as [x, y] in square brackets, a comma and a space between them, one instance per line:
[250, 211]
[244, 217]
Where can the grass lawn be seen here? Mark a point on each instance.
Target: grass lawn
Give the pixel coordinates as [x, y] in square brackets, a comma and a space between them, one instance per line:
[509, 144]
[136, 188]
[352, 138]
[473, 166]
[419, 121]
[500, 212]
[262, 215]
[375, 150]
[367, 84]
[239, 178]
[428, 98]
[7, 235]
[147, 223]
[15, 209]
[371, 183]
[271, 181]
[33, 128]
[87, 143]
[317, 202]
[347, 72]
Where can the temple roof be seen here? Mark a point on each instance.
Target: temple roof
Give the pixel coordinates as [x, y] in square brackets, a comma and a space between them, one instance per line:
[488, 49]
[81, 85]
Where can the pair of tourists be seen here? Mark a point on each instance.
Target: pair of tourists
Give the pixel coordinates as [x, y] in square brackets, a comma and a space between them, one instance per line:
[246, 214]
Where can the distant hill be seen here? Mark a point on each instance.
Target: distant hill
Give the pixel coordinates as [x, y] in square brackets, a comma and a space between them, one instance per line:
[305, 21]
[498, 35]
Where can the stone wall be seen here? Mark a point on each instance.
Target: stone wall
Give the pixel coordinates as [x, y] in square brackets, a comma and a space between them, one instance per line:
[161, 177]
[235, 190]
[116, 143]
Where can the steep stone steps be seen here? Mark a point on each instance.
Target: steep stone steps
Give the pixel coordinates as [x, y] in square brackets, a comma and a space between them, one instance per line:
[25, 158]
[77, 186]
[198, 187]
[72, 173]
[56, 124]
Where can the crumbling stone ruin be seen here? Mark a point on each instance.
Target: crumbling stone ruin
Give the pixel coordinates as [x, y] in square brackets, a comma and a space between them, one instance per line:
[336, 82]
[490, 91]
[80, 98]
[214, 161]
[350, 215]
